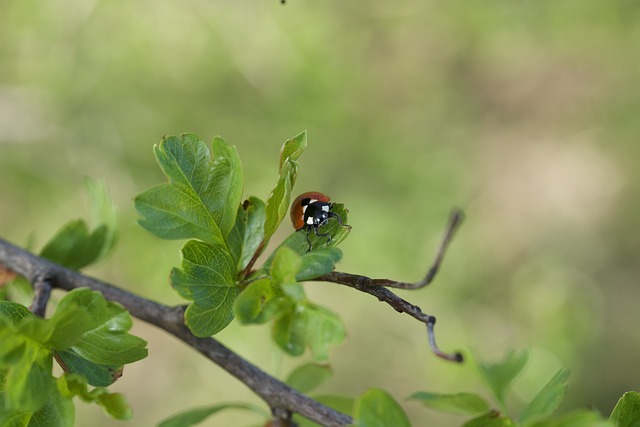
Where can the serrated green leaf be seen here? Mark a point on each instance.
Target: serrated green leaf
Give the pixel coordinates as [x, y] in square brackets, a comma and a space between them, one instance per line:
[376, 408]
[547, 400]
[458, 403]
[293, 148]
[308, 325]
[491, 419]
[202, 196]
[74, 246]
[278, 202]
[627, 410]
[14, 312]
[248, 232]
[207, 278]
[309, 376]
[500, 375]
[106, 340]
[197, 415]
[259, 302]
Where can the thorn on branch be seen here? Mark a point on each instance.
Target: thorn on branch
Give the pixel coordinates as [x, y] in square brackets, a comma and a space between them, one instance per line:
[42, 291]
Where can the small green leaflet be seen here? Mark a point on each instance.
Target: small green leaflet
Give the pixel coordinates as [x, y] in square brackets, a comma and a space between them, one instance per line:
[74, 246]
[207, 278]
[376, 408]
[458, 403]
[491, 419]
[114, 404]
[627, 410]
[196, 416]
[280, 198]
[547, 400]
[202, 196]
[309, 376]
[499, 376]
[247, 234]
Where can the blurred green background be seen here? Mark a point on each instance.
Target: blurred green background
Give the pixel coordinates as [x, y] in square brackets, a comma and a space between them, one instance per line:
[526, 114]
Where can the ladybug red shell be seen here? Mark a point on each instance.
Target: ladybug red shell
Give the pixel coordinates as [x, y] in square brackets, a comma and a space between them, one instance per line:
[302, 202]
[311, 211]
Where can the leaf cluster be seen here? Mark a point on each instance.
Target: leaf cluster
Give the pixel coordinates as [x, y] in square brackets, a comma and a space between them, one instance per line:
[87, 335]
[202, 202]
[539, 412]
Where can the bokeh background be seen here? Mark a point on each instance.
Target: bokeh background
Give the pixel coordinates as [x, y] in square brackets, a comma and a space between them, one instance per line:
[525, 114]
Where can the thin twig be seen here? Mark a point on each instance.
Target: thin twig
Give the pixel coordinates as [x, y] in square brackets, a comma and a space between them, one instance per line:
[378, 287]
[455, 220]
[274, 392]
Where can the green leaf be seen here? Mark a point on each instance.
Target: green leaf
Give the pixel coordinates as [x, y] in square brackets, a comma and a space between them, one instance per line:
[74, 247]
[103, 213]
[308, 325]
[202, 196]
[293, 148]
[309, 376]
[492, 418]
[547, 400]
[289, 332]
[114, 404]
[96, 374]
[318, 262]
[284, 269]
[58, 411]
[376, 408]
[106, 340]
[627, 410]
[69, 323]
[207, 278]
[278, 201]
[259, 302]
[578, 418]
[324, 329]
[14, 312]
[196, 416]
[247, 234]
[29, 382]
[458, 403]
[500, 375]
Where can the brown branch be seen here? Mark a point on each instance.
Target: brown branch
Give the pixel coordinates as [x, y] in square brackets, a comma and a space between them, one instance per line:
[274, 392]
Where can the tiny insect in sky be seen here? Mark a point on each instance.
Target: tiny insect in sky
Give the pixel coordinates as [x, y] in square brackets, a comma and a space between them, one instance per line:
[312, 210]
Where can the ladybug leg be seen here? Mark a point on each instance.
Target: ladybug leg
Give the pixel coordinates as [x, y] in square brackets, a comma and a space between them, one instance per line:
[337, 216]
[327, 235]
[309, 227]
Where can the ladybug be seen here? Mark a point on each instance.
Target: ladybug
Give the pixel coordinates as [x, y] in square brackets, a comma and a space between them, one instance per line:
[311, 211]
